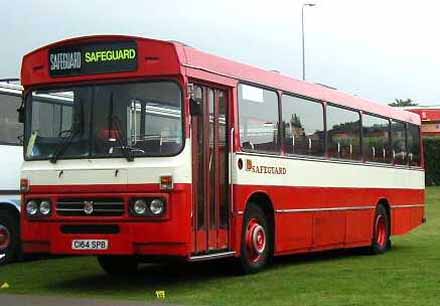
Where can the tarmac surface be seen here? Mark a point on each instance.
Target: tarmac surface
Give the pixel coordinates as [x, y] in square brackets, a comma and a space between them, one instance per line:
[32, 300]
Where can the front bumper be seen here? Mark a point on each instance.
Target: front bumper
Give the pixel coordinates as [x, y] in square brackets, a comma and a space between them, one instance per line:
[133, 238]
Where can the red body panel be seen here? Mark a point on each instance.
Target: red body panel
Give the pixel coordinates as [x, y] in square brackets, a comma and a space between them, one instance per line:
[295, 232]
[299, 231]
[168, 235]
[156, 58]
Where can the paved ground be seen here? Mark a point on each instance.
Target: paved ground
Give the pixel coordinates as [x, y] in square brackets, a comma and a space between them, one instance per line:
[31, 300]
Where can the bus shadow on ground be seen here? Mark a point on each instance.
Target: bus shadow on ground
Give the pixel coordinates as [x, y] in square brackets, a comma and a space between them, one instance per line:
[331, 255]
[154, 276]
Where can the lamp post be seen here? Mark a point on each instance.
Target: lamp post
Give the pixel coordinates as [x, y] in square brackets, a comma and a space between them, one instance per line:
[302, 31]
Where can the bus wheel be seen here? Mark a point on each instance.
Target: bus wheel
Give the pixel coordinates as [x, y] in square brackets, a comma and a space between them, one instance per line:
[381, 238]
[9, 237]
[256, 240]
[118, 265]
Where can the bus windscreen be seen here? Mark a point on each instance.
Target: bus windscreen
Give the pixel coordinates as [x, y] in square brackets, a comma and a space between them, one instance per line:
[114, 120]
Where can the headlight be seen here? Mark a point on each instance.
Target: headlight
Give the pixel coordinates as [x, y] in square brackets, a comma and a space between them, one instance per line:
[157, 207]
[140, 207]
[45, 208]
[32, 208]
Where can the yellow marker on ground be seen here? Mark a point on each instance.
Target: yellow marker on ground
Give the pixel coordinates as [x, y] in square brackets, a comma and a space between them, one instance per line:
[5, 286]
[160, 294]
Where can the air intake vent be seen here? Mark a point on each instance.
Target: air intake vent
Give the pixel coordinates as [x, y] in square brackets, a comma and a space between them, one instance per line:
[90, 207]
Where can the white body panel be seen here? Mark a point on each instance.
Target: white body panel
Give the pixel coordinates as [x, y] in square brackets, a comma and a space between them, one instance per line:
[142, 170]
[11, 158]
[324, 173]
[299, 172]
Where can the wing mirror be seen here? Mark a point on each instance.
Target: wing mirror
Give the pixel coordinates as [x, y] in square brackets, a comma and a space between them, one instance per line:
[195, 107]
[195, 100]
[21, 114]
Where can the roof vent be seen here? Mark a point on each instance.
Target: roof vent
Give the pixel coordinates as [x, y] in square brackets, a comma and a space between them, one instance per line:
[326, 86]
[180, 43]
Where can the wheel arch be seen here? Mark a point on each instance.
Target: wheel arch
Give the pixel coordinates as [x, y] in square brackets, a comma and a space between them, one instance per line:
[12, 211]
[10, 207]
[263, 200]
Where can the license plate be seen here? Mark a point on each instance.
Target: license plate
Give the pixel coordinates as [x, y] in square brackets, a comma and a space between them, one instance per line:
[89, 244]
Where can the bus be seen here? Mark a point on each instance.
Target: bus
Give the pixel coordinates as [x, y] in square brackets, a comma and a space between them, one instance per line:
[11, 157]
[160, 151]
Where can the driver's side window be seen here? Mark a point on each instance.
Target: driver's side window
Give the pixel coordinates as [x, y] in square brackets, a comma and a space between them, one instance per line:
[154, 121]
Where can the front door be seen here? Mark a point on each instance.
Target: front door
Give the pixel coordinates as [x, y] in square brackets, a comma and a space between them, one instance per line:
[210, 171]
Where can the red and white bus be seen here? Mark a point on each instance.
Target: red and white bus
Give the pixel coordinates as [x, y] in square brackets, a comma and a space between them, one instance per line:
[160, 150]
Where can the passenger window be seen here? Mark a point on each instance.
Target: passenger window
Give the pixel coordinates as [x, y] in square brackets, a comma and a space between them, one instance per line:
[398, 145]
[303, 124]
[343, 129]
[376, 139]
[413, 145]
[258, 119]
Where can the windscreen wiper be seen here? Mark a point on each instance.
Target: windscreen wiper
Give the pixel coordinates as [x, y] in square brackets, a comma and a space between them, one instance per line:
[119, 134]
[114, 122]
[75, 130]
[64, 145]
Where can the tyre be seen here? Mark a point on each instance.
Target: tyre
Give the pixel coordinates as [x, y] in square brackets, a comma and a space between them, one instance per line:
[256, 242]
[118, 265]
[381, 235]
[9, 237]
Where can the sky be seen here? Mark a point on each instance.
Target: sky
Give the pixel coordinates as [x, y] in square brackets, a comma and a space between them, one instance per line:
[376, 49]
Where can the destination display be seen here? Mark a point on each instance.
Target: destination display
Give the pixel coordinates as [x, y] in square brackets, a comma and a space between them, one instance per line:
[93, 58]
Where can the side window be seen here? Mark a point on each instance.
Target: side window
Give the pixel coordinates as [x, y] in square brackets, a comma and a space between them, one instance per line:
[398, 145]
[303, 125]
[258, 119]
[414, 145]
[158, 123]
[10, 128]
[376, 139]
[343, 128]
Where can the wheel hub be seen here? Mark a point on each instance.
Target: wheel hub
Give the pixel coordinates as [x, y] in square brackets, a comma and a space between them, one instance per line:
[259, 239]
[381, 231]
[255, 240]
[5, 237]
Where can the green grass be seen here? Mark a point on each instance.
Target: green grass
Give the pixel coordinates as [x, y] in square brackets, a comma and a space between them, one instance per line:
[408, 275]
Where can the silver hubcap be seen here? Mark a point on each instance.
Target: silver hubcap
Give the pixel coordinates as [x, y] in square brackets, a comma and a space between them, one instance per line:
[258, 239]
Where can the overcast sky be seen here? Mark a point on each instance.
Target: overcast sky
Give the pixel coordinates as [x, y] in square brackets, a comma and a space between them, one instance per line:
[376, 49]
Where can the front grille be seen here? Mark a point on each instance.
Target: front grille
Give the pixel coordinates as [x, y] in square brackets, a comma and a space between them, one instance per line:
[90, 229]
[101, 207]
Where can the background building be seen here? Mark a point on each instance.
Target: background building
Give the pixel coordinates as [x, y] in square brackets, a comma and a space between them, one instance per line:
[430, 119]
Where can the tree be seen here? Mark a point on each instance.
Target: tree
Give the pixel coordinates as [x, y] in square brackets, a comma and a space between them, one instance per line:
[402, 103]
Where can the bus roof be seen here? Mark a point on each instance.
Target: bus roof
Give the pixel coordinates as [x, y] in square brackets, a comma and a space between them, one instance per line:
[196, 59]
[12, 88]
[181, 58]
